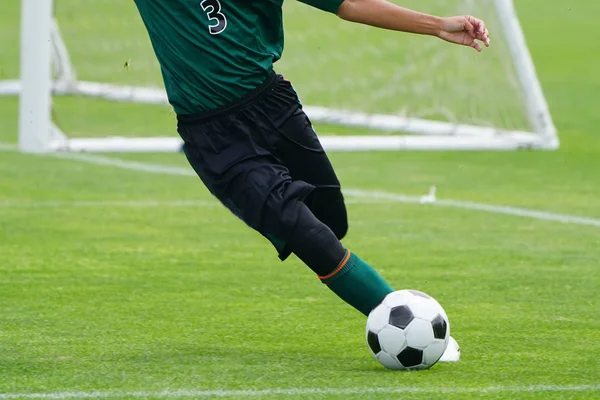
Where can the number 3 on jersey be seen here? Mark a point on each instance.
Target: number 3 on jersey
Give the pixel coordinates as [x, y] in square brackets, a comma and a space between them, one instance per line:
[218, 21]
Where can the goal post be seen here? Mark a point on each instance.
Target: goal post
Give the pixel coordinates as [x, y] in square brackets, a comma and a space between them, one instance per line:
[35, 125]
[398, 92]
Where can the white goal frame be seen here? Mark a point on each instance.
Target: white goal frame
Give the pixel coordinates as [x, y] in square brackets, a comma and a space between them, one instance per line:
[42, 47]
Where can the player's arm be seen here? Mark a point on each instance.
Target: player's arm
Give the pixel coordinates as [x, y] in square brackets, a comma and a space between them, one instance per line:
[464, 30]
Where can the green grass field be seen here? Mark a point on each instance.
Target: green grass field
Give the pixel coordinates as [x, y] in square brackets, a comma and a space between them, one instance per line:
[122, 283]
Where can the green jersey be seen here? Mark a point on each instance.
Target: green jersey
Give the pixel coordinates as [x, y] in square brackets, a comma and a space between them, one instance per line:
[213, 52]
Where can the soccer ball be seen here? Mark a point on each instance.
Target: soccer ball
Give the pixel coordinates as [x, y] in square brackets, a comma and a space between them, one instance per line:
[408, 330]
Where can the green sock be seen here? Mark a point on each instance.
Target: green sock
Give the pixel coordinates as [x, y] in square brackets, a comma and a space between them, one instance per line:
[357, 283]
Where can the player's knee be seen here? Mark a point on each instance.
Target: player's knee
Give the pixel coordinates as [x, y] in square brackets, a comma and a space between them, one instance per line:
[315, 243]
[338, 223]
[340, 228]
[329, 207]
[337, 218]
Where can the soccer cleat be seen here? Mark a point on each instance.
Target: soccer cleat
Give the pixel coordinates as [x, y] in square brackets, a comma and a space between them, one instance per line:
[452, 353]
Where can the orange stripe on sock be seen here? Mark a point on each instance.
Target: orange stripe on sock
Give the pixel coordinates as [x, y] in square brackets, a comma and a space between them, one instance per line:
[339, 267]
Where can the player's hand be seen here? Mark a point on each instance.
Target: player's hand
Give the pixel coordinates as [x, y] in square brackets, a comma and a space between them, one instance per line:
[465, 30]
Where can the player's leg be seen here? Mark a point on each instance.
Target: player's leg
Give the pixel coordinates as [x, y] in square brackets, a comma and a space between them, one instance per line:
[233, 156]
[301, 152]
[263, 195]
[299, 149]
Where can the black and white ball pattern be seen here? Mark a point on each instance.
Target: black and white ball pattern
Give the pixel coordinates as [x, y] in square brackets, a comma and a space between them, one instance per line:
[408, 330]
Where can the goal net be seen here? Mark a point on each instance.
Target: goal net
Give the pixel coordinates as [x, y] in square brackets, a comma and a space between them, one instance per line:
[90, 81]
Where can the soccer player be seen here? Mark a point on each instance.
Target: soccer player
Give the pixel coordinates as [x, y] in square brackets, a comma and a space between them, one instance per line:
[246, 135]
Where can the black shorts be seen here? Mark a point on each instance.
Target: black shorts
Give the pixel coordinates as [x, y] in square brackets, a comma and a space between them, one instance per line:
[260, 156]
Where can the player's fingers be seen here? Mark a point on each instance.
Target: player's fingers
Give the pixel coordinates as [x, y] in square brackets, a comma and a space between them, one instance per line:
[484, 36]
[476, 45]
[468, 26]
[481, 31]
[477, 23]
[478, 26]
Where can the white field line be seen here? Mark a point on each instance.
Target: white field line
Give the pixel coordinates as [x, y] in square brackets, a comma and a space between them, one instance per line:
[368, 196]
[371, 196]
[124, 164]
[467, 205]
[301, 392]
